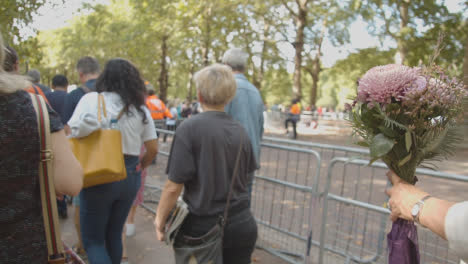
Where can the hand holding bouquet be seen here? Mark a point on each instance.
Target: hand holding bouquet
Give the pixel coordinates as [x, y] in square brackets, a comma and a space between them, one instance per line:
[407, 116]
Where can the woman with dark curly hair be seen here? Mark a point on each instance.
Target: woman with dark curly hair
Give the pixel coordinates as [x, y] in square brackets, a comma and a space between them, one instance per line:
[104, 208]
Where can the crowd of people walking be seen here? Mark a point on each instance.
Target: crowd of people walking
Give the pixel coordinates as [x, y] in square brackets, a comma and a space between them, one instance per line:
[117, 96]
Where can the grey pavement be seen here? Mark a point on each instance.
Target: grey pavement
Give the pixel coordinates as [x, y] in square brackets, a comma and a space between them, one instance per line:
[144, 248]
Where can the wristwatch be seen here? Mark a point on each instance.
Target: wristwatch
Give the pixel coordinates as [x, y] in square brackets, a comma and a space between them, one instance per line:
[418, 207]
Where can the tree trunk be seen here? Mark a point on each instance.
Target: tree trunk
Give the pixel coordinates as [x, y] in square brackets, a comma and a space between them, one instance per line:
[207, 37]
[401, 40]
[266, 29]
[314, 73]
[190, 83]
[316, 67]
[163, 76]
[301, 21]
[465, 64]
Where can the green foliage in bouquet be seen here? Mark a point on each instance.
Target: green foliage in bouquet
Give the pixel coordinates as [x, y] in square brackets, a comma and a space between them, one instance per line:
[407, 116]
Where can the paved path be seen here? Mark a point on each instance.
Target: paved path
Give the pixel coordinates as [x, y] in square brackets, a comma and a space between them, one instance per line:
[143, 248]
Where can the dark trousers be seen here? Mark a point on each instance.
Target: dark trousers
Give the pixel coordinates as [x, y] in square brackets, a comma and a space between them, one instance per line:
[103, 211]
[171, 128]
[250, 186]
[240, 234]
[62, 206]
[293, 121]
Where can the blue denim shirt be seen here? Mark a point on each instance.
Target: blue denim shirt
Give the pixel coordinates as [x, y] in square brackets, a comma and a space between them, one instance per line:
[73, 98]
[247, 108]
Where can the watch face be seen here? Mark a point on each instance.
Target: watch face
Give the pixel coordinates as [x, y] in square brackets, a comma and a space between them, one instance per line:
[415, 210]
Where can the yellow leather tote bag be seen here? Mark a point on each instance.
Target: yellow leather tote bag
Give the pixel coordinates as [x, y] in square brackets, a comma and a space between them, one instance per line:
[100, 153]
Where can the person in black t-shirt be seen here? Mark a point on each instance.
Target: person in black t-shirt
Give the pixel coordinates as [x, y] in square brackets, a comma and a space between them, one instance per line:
[207, 145]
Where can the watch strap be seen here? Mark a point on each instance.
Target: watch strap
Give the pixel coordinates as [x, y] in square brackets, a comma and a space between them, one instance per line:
[421, 204]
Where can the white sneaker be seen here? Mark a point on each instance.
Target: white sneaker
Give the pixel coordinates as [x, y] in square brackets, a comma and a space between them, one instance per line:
[130, 230]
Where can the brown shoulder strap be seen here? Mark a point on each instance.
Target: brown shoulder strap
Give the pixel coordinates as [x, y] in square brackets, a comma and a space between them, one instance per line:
[122, 112]
[233, 180]
[36, 91]
[47, 186]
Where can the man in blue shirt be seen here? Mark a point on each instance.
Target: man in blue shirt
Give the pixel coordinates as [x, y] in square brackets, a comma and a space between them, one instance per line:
[88, 71]
[57, 97]
[247, 106]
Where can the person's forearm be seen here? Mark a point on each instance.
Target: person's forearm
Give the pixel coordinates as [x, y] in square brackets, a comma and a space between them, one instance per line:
[168, 200]
[147, 159]
[433, 215]
[151, 147]
[67, 130]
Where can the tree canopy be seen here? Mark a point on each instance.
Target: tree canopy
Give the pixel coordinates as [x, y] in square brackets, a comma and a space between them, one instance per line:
[170, 40]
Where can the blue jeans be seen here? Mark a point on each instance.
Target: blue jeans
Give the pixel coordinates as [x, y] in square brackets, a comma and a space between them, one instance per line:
[103, 211]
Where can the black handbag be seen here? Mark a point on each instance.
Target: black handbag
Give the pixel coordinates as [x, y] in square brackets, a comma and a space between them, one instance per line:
[209, 247]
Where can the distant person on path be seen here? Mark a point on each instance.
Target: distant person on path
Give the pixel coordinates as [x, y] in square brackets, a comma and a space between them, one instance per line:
[11, 65]
[35, 77]
[247, 106]
[88, 71]
[157, 108]
[294, 115]
[22, 231]
[186, 111]
[202, 161]
[104, 208]
[171, 122]
[196, 107]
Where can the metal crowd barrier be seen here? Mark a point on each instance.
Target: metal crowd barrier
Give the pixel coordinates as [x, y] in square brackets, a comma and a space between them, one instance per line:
[283, 194]
[354, 223]
[348, 224]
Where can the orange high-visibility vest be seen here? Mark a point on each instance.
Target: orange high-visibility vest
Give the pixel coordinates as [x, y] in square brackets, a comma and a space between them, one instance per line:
[295, 109]
[34, 89]
[157, 108]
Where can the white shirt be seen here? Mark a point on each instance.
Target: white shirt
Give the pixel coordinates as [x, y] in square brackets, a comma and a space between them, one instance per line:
[134, 131]
[172, 121]
[456, 229]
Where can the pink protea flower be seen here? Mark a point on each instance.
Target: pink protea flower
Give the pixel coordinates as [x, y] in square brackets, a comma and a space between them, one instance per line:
[382, 83]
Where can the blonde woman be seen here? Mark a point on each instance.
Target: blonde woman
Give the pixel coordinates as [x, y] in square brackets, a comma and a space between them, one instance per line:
[207, 145]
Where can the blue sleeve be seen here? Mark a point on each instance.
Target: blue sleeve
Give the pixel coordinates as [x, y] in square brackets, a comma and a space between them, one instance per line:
[262, 122]
[71, 101]
[228, 107]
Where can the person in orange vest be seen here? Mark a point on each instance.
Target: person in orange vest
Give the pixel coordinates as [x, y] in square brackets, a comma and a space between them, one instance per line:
[158, 109]
[294, 116]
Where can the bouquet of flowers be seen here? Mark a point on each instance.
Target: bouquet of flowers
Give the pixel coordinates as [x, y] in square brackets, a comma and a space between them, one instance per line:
[407, 116]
